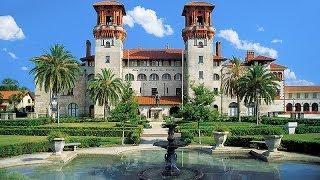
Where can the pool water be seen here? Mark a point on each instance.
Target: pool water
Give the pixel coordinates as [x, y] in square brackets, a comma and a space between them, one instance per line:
[128, 165]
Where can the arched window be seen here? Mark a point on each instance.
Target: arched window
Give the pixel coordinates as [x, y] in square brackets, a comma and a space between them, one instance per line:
[314, 107]
[178, 77]
[107, 44]
[280, 75]
[90, 76]
[298, 107]
[142, 77]
[215, 107]
[154, 77]
[216, 77]
[166, 77]
[306, 107]
[129, 77]
[200, 45]
[233, 109]
[73, 109]
[250, 109]
[289, 107]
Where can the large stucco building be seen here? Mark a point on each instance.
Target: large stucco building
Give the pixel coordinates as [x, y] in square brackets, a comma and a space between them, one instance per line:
[167, 72]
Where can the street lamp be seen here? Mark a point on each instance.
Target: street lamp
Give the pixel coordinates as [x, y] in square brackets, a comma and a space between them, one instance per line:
[55, 106]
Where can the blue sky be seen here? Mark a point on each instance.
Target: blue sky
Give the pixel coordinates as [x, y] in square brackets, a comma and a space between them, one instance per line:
[283, 29]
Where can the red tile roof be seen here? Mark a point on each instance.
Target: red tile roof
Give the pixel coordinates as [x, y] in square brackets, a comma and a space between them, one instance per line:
[277, 67]
[215, 57]
[7, 94]
[291, 89]
[164, 100]
[152, 54]
[262, 58]
[199, 3]
[107, 3]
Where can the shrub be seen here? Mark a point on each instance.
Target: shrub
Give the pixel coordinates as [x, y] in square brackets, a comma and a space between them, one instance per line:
[187, 136]
[133, 138]
[89, 141]
[221, 128]
[26, 122]
[283, 121]
[56, 134]
[80, 119]
[303, 129]
[301, 146]
[23, 148]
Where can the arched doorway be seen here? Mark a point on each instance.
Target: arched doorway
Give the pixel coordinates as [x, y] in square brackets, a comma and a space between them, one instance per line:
[298, 107]
[73, 110]
[306, 107]
[233, 109]
[91, 110]
[314, 107]
[174, 110]
[289, 107]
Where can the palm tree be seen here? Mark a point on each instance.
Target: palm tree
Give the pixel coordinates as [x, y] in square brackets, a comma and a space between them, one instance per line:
[230, 81]
[105, 88]
[55, 71]
[258, 83]
[1, 98]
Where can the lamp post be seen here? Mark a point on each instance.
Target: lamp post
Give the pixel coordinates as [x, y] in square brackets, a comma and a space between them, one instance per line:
[55, 106]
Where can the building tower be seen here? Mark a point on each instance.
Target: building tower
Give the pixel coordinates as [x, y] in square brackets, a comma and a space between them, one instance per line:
[198, 38]
[109, 35]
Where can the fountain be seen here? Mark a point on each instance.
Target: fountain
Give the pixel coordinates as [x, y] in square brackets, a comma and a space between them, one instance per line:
[170, 171]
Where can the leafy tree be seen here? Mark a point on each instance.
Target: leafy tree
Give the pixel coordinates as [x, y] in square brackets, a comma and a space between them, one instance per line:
[198, 107]
[56, 71]
[127, 109]
[105, 88]
[15, 99]
[230, 81]
[1, 98]
[258, 83]
[9, 84]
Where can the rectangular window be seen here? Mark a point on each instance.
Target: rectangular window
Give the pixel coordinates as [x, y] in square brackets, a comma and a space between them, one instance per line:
[200, 59]
[167, 90]
[216, 63]
[290, 95]
[178, 92]
[200, 74]
[29, 101]
[298, 95]
[314, 95]
[140, 90]
[166, 63]
[306, 95]
[177, 63]
[70, 92]
[154, 63]
[154, 91]
[90, 63]
[107, 59]
[216, 90]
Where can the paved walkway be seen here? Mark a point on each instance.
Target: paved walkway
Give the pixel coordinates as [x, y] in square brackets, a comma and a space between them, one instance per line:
[155, 133]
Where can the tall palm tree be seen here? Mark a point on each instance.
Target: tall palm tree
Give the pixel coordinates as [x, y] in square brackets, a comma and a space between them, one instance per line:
[105, 88]
[56, 71]
[258, 83]
[230, 81]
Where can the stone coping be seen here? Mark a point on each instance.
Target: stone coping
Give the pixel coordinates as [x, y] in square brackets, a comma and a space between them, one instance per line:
[66, 156]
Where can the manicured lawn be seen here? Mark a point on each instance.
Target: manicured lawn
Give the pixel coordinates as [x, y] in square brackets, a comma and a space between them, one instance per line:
[83, 124]
[6, 140]
[312, 137]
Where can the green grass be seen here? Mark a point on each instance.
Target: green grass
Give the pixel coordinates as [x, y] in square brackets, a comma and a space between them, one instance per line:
[83, 124]
[10, 139]
[312, 137]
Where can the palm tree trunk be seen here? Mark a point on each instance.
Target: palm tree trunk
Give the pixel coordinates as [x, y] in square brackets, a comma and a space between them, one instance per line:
[257, 109]
[238, 108]
[199, 133]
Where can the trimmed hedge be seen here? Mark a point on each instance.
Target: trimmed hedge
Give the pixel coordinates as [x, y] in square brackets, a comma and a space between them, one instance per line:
[283, 121]
[92, 141]
[303, 129]
[26, 122]
[23, 148]
[71, 131]
[240, 130]
[80, 119]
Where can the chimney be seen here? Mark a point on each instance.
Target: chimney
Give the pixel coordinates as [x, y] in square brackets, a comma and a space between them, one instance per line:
[250, 55]
[218, 49]
[88, 48]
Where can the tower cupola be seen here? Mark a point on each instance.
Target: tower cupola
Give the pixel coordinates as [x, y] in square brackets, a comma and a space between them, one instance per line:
[198, 21]
[109, 20]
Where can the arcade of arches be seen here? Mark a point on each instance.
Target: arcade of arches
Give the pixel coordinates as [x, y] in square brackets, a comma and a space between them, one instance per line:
[306, 107]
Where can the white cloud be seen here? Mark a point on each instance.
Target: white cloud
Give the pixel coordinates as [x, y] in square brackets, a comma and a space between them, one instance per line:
[291, 79]
[149, 21]
[233, 37]
[9, 30]
[277, 41]
[24, 68]
[11, 54]
[260, 28]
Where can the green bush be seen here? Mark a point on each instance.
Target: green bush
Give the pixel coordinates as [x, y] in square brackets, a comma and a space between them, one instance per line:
[133, 138]
[79, 120]
[303, 129]
[23, 148]
[56, 134]
[187, 136]
[243, 119]
[221, 128]
[283, 121]
[71, 131]
[26, 122]
[241, 141]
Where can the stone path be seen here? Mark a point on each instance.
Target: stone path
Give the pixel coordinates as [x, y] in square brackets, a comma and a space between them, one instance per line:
[156, 133]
